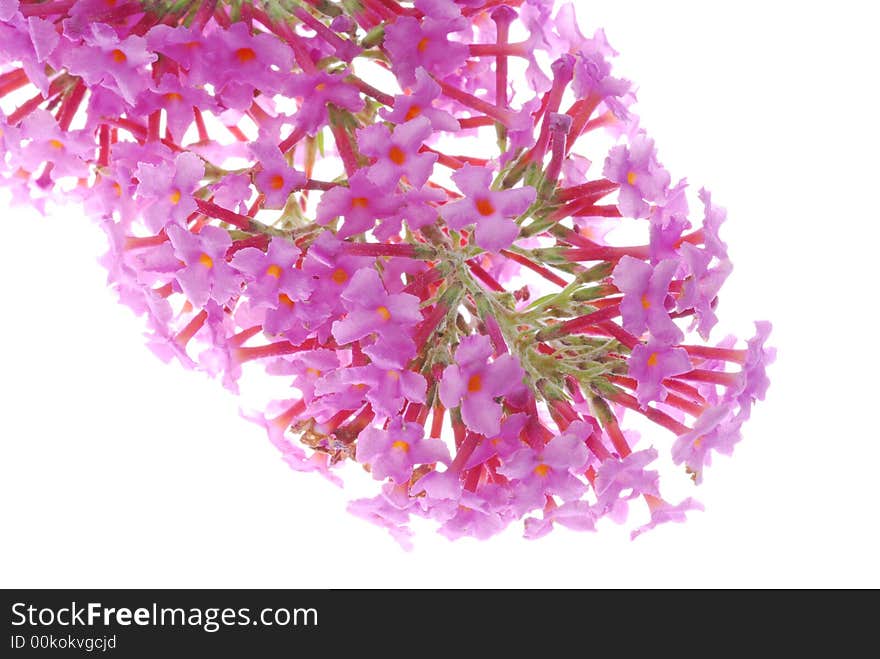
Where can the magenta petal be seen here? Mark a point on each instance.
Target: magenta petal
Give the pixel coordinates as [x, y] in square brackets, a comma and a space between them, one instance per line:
[196, 284]
[520, 464]
[481, 414]
[373, 139]
[473, 351]
[357, 325]
[365, 288]
[439, 485]
[497, 234]
[249, 260]
[568, 487]
[413, 386]
[430, 451]
[44, 37]
[371, 442]
[458, 214]
[566, 452]
[452, 386]
[631, 274]
[504, 376]
[8, 9]
[472, 180]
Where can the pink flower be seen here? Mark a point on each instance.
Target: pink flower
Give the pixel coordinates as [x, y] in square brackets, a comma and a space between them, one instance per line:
[276, 179]
[618, 481]
[117, 64]
[167, 190]
[317, 91]
[272, 277]
[717, 430]
[371, 310]
[360, 205]
[68, 151]
[307, 367]
[239, 62]
[413, 44]
[397, 154]
[652, 363]
[479, 514]
[592, 74]
[273, 208]
[701, 286]
[669, 220]
[420, 103]
[183, 45]
[663, 512]
[504, 444]
[393, 453]
[415, 206]
[386, 389]
[492, 211]
[712, 221]
[177, 100]
[645, 297]
[205, 274]
[753, 378]
[642, 179]
[575, 515]
[276, 428]
[331, 272]
[552, 471]
[381, 511]
[473, 383]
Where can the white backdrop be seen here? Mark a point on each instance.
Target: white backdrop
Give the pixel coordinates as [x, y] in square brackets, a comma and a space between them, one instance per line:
[119, 471]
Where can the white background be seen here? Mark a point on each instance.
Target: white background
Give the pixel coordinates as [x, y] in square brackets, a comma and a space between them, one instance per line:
[119, 471]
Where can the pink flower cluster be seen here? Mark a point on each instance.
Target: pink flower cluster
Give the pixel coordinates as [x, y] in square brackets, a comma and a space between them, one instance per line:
[380, 205]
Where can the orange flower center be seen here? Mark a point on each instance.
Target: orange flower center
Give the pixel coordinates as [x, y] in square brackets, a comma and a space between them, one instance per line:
[274, 271]
[284, 299]
[646, 303]
[118, 56]
[423, 44]
[175, 197]
[542, 470]
[173, 97]
[383, 312]
[276, 182]
[631, 178]
[485, 207]
[360, 202]
[652, 359]
[413, 112]
[206, 261]
[321, 86]
[244, 55]
[56, 144]
[475, 384]
[339, 276]
[401, 446]
[397, 156]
